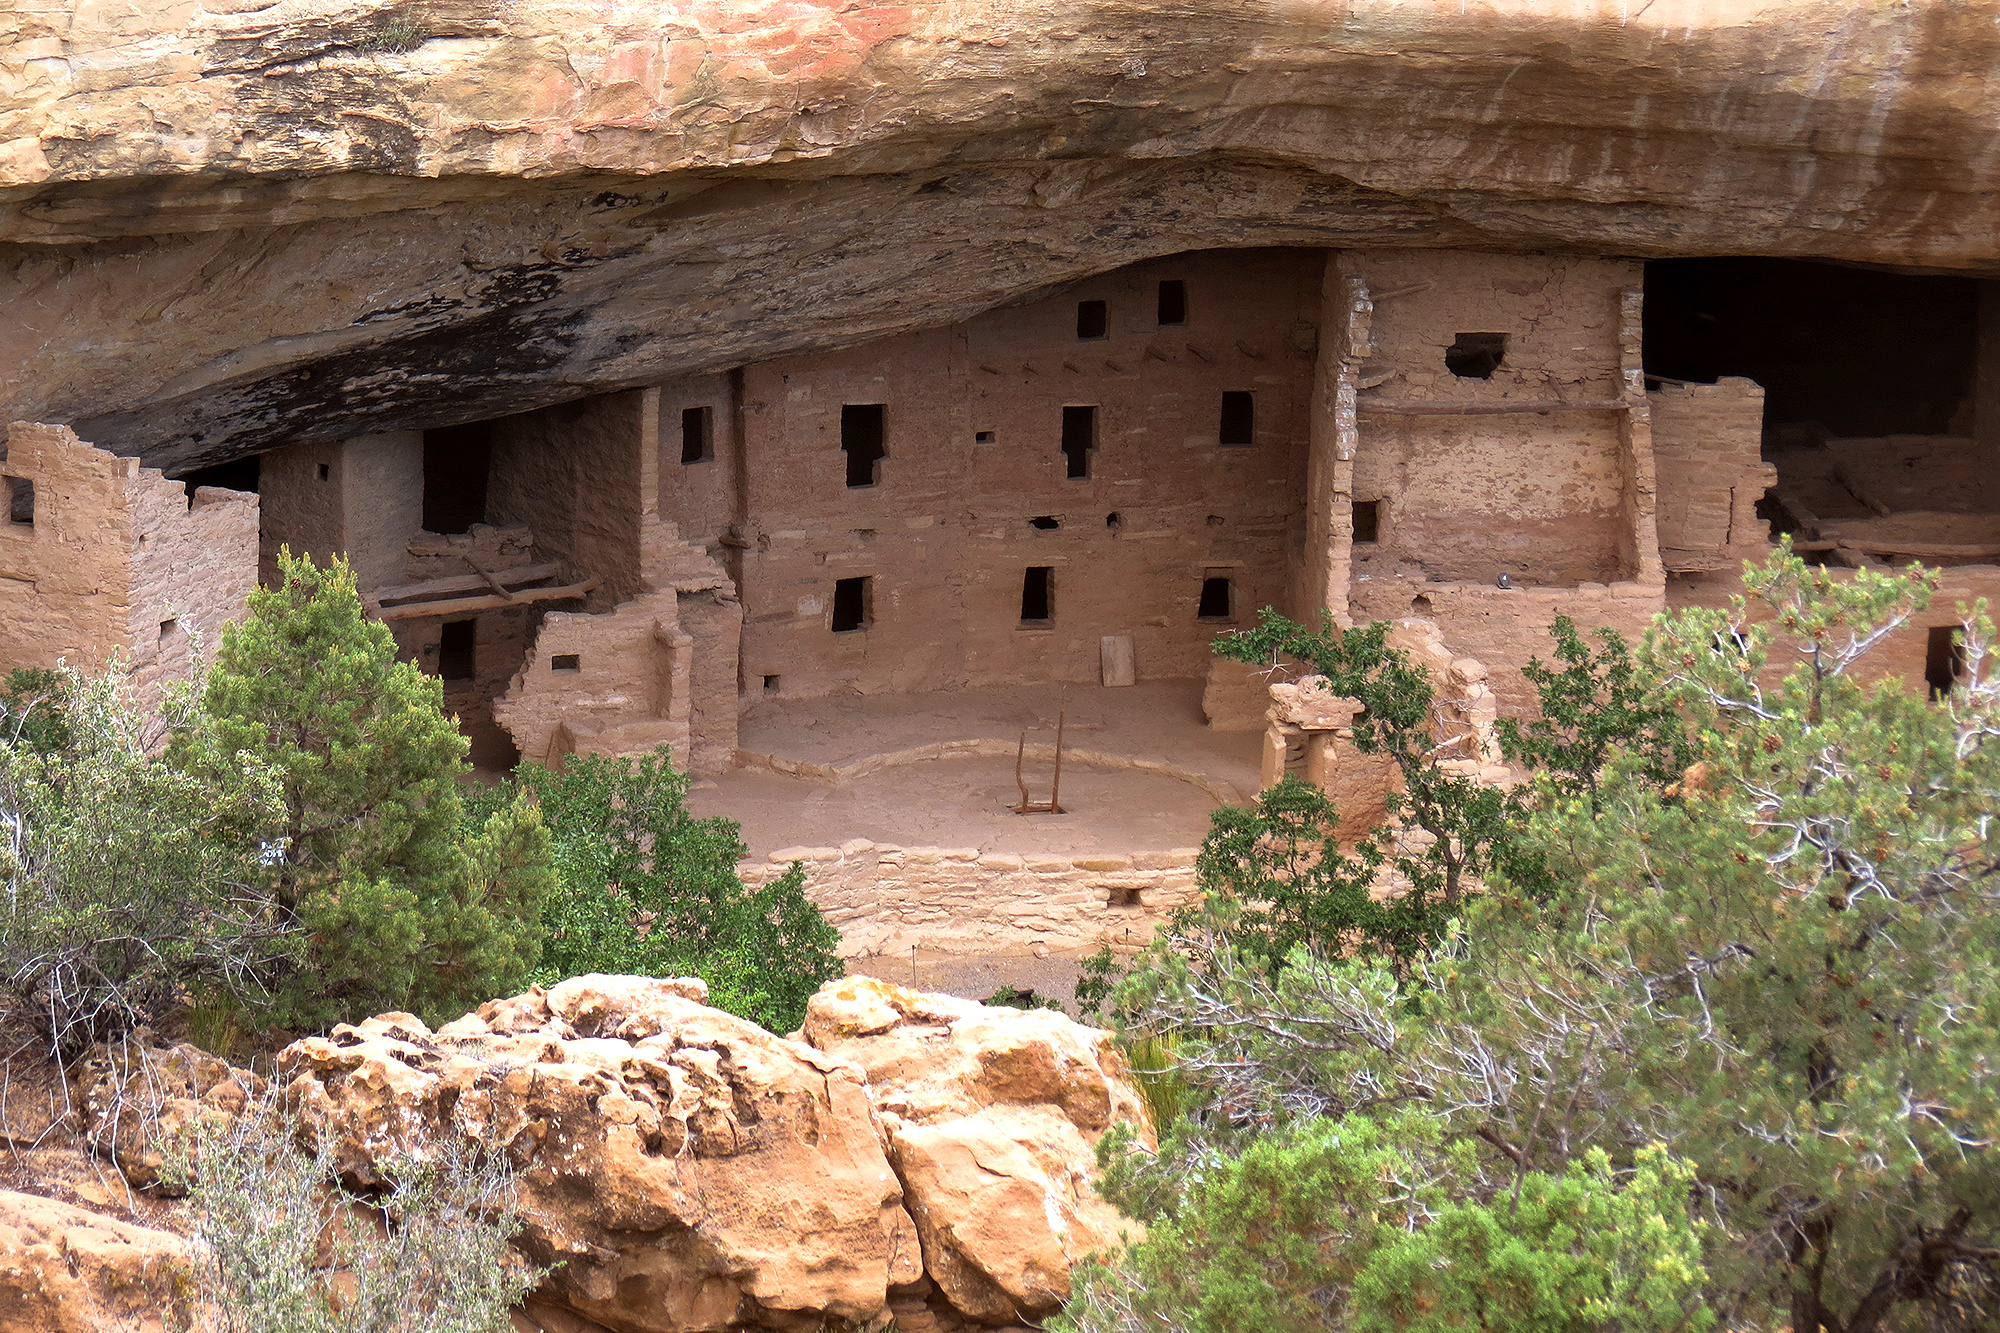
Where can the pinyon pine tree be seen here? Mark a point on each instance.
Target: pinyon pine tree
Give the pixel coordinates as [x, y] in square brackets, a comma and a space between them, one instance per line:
[365, 857]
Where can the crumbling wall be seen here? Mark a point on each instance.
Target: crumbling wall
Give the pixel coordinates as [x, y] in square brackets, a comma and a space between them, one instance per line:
[637, 676]
[1707, 442]
[116, 559]
[974, 431]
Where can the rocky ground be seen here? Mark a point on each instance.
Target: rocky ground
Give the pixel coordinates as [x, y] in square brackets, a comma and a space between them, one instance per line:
[905, 1155]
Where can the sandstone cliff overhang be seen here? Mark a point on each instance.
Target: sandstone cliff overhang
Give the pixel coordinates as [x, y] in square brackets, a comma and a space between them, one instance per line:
[229, 227]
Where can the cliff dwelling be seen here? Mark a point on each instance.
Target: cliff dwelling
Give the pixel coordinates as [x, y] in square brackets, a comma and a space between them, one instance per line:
[880, 599]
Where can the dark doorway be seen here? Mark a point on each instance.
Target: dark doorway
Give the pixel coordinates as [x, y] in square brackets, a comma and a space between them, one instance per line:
[1093, 319]
[1862, 353]
[1037, 594]
[1367, 520]
[1173, 301]
[456, 659]
[1239, 418]
[458, 461]
[850, 604]
[697, 434]
[1215, 598]
[1944, 659]
[864, 438]
[1079, 438]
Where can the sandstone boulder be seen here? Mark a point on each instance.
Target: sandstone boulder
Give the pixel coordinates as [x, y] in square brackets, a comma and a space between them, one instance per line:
[64, 1270]
[688, 1170]
[992, 1117]
[136, 1098]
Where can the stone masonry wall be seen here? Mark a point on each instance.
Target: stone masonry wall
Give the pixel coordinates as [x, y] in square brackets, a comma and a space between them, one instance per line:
[974, 427]
[116, 559]
[576, 475]
[886, 900]
[1707, 443]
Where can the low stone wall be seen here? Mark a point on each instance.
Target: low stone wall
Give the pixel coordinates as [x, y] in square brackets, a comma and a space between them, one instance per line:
[887, 900]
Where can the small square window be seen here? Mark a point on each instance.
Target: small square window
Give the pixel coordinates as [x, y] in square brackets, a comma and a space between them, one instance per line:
[1093, 319]
[1367, 520]
[325, 472]
[566, 662]
[1475, 356]
[771, 684]
[984, 437]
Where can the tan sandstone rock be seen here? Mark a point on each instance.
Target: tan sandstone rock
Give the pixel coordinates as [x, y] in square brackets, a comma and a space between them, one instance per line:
[64, 1270]
[135, 1098]
[689, 1170]
[992, 1117]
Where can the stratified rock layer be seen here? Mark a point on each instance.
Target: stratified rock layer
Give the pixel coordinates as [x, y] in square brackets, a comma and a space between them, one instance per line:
[250, 223]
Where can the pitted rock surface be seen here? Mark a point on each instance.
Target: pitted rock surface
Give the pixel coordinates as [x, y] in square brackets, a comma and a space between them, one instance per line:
[689, 1170]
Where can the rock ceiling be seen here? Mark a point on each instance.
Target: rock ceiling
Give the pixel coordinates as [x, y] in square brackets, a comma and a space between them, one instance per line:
[228, 226]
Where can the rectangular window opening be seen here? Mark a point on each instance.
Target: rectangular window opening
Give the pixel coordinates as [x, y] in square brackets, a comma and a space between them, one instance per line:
[1367, 520]
[458, 461]
[1944, 659]
[455, 649]
[1173, 301]
[851, 609]
[771, 684]
[1037, 594]
[1079, 439]
[1216, 600]
[1093, 319]
[21, 501]
[326, 472]
[1239, 418]
[697, 434]
[566, 662]
[863, 437]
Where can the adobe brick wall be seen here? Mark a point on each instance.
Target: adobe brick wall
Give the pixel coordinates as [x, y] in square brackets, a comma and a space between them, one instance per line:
[1707, 442]
[116, 560]
[946, 534]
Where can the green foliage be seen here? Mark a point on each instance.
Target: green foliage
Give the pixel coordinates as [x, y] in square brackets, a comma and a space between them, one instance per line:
[1359, 1223]
[34, 709]
[364, 850]
[1598, 703]
[1020, 997]
[647, 889]
[1780, 967]
[123, 883]
[273, 1225]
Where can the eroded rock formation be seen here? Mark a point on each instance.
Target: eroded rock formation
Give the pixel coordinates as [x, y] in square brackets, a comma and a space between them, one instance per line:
[66, 1270]
[690, 1171]
[242, 224]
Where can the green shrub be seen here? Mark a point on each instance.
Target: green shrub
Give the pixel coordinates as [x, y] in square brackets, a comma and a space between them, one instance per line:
[647, 889]
[284, 1248]
[126, 883]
